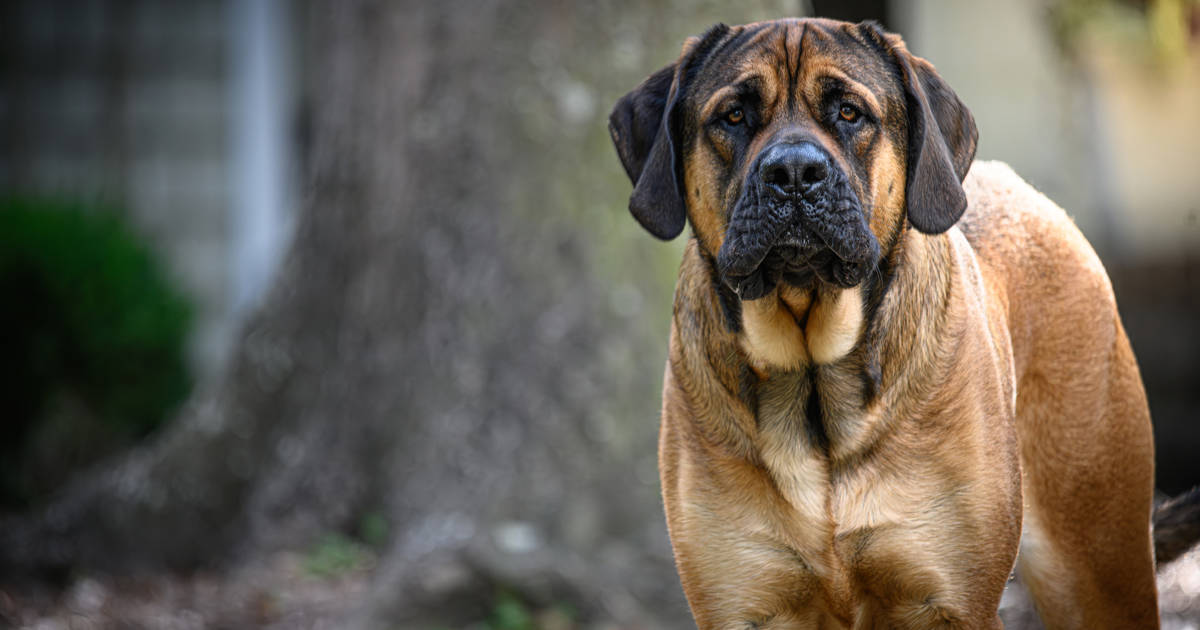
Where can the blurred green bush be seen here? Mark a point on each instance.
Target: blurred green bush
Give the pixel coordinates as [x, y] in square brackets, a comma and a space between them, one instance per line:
[91, 342]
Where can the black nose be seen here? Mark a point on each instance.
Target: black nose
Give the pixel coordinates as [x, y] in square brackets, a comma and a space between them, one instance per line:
[787, 170]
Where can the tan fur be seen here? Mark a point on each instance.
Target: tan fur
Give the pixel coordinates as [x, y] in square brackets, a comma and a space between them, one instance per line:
[1006, 388]
[834, 325]
[772, 337]
[1082, 418]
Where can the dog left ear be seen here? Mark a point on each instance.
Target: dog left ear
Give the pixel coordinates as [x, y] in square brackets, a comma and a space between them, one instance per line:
[644, 126]
[941, 140]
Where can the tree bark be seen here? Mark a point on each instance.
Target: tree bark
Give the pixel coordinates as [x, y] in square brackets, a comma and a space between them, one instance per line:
[467, 336]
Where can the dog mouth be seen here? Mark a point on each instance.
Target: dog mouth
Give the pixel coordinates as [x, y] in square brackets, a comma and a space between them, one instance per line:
[802, 241]
[796, 263]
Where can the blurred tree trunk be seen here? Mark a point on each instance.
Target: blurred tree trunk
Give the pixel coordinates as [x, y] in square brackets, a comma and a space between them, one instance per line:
[465, 337]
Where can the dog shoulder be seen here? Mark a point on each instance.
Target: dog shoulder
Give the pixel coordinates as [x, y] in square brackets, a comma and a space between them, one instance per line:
[1022, 234]
[1039, 267]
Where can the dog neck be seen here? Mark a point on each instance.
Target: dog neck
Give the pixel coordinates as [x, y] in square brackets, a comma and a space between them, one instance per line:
[793, 328]
[855, 349]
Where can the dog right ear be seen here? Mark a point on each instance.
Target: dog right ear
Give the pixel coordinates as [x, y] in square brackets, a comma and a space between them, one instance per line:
[640, 126]
[645, 129]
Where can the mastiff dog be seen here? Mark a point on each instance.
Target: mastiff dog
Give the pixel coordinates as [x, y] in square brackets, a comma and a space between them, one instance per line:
[894, 374]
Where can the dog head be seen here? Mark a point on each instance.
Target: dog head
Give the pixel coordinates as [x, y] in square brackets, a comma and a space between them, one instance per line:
[798, 149]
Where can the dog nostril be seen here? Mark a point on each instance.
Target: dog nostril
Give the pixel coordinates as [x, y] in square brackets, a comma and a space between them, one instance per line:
[779, 176]
[814, 173]
[788, 169]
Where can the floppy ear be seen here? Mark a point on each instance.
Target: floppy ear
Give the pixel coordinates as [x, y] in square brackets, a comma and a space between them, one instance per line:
[644, 126]
[641, 128]
[941, 142]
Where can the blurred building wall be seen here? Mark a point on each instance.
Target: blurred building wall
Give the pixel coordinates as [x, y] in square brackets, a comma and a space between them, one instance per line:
[1108, 131]
[171, 111]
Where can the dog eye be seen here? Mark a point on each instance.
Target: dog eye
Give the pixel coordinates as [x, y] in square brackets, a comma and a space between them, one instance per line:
[848, 113]
[735, 116]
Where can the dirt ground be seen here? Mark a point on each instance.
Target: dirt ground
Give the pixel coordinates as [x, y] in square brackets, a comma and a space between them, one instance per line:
[292, 590]
[277, 592]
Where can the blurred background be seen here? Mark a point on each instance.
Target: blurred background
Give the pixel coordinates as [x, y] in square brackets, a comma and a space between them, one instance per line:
[330, 313]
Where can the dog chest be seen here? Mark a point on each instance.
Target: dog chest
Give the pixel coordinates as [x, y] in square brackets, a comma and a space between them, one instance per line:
[848, 516]
[804, 419]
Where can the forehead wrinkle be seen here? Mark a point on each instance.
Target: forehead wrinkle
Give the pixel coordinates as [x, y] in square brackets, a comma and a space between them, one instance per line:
[752, 47]
[768, 55]
[764, 30]
[794, 63]
[830, 71]
[861, 60]
[783, 59]
[717, 98]
[751, 70]
[797, 99]
[751, 75]
[782, 54]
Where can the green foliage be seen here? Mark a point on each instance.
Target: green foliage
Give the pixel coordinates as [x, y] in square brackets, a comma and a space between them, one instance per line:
[93, 339]
[1156, 30]
[334, 555]
[510, 613]
[373, 529]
